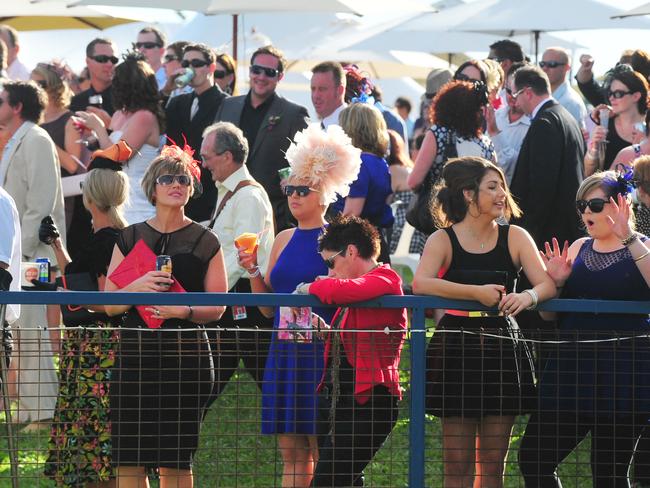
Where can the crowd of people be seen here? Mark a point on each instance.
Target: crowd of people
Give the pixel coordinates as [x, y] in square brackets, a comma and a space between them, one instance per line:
[144, 173]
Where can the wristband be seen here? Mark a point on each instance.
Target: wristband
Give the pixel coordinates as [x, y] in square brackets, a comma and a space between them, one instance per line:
[642, 256]
[534, 297]
[256, 273]
[190, 314]
[629, 239]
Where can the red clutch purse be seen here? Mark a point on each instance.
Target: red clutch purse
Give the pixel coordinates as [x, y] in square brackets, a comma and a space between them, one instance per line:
[138, 262]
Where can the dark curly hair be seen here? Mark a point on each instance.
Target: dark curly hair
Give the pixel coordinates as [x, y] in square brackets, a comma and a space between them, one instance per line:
[32, 97]
[135, 87]
[348, 229]
[458, 175]
[459, 106]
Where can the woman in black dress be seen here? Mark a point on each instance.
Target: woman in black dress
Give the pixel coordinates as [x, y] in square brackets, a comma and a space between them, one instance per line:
[80, 448]
[163, 377]
[478, 383]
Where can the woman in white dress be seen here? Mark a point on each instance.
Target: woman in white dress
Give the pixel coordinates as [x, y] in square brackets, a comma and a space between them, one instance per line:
[138, 120]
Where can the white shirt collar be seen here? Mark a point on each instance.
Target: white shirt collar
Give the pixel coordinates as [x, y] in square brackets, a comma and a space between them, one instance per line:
[233, 180]
[539, 105]
[333, 118]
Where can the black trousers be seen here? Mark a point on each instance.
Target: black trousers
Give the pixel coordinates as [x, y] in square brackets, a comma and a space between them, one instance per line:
[359, 432]
[552, 436]
[228, 347]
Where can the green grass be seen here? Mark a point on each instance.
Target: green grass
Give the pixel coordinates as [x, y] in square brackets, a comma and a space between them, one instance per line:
[233, 453]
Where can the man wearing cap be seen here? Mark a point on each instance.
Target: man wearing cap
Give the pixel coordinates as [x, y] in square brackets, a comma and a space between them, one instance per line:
[435, 80]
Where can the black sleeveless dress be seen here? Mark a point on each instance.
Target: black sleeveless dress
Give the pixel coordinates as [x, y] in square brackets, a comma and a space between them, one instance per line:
[476, 366]
[162, 378]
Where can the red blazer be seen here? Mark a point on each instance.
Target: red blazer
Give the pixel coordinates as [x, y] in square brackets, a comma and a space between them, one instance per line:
[374, 356]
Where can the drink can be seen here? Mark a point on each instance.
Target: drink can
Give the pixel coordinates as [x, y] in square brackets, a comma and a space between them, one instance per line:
[164, 263]
[284, 173]
[43, 269]
[184, 79]
[95, 100]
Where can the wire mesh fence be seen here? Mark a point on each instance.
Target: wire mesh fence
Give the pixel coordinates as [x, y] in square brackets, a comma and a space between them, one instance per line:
[162, 400]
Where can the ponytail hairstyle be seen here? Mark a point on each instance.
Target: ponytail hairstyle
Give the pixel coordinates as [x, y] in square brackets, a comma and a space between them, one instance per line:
[458, 175]
[109, 191]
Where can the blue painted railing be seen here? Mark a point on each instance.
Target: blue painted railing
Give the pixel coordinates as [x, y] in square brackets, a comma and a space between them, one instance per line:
[416, 304]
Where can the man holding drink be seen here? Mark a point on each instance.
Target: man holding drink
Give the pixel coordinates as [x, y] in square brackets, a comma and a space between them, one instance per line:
[243, 219]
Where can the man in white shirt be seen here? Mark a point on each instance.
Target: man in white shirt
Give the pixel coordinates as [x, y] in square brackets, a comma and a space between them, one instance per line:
[242, 206]
[328, 92]
[507, 128]
[151, 43]
[10, 253]
[16, 70]
[556, 64]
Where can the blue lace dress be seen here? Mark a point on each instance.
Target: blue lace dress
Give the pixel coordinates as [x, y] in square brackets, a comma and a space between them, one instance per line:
[294, 369]
[610, 378]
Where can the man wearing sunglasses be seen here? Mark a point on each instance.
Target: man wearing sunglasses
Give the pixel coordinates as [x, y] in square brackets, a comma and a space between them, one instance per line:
[189, 114]
[556, 64]
[243, 206]
[269, 123]
[549, 167]
[101, 61]
[151, 43]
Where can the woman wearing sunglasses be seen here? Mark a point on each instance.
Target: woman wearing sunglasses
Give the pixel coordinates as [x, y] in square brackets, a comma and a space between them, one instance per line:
[138, 120]
[163, 376]
[628, 99]
[360, 388]
[226, 74]
[323, 164]
[479, 376]
[592, 384]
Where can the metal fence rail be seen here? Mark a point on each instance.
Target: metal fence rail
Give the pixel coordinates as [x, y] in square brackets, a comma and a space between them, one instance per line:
[245, 398]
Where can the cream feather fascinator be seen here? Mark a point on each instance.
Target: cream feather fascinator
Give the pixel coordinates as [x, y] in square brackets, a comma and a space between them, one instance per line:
[326, 159]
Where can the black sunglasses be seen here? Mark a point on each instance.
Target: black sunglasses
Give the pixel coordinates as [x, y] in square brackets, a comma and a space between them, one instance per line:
[195, 63]
[148, 45]
[300, 190]
[269, 72]
[550, 64]
[218, 74]
[596, 205]
[166, 180]
[170, 57]
[103, 58]
[617, 94]
[329, 262]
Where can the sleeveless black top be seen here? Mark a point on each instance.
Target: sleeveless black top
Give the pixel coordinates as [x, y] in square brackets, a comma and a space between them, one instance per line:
[492, 267]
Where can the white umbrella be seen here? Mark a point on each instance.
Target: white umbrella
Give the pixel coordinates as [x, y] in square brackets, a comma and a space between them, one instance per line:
[640, 10]
[514, 17]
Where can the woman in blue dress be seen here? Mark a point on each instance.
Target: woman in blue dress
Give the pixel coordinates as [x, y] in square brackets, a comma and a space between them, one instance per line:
[368, 197]
[599, 387]
[323, 164]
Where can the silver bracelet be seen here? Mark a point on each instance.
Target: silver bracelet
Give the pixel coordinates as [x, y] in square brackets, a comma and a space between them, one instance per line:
[534, 297]
[256, 273]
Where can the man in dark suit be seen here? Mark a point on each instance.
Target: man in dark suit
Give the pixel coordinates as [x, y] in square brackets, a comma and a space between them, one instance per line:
[189, 114]
[269, 123]
[549, 167]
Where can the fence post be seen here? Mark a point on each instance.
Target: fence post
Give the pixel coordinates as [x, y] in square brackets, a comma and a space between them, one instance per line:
[416, 424]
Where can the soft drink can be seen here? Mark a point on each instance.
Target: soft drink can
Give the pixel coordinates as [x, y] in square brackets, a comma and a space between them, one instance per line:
[43, 270]
[184, 79]
[164, 263]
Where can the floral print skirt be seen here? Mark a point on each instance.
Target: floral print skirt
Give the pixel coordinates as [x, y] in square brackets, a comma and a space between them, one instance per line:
[80, 439]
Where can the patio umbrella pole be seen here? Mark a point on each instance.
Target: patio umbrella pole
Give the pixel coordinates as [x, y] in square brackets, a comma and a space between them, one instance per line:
[13, 460]
[536, 33]
[235, 19]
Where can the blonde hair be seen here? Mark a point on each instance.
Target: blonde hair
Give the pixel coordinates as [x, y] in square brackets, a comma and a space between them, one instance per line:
[57, 89]
[365, 125]
[494, 76]
[164, 165]
[108, 190]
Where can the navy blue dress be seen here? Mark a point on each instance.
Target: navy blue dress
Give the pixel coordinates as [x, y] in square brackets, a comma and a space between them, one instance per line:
[600, 378]
[294, 369]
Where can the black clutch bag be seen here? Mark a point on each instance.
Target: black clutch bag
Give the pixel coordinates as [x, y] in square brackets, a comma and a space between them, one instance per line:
[75, 315]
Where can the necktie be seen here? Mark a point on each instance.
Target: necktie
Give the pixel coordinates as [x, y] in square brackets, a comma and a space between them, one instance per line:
[195, 107]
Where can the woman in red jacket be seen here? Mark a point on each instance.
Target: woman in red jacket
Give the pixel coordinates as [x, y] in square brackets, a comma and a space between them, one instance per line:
[360, 385]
